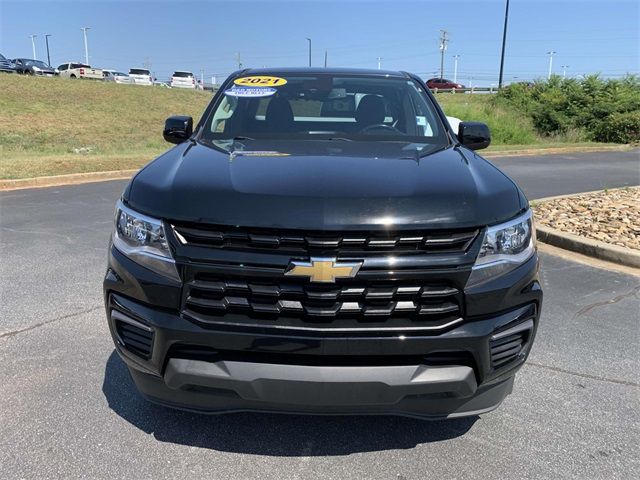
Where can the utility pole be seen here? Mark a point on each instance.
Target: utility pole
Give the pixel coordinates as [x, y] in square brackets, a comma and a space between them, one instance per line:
[202, 78]
[33, 45]
[309, 40]
[504, 45]
[379, 62]
[443, 48]
[86, 46]
[564, 71]
[239, 61]
[325, 59]
[551, 54]
[46, 39]
[455, 68]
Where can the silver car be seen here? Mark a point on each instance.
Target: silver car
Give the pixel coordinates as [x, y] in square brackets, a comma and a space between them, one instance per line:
[115, 76]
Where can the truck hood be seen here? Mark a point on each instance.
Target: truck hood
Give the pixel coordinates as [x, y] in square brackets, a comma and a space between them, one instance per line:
[324, 185]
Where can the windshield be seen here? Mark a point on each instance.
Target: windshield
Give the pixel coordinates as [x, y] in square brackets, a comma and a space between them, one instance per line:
[329, 107]
[183, 74]
[37, 63]
[138, 71]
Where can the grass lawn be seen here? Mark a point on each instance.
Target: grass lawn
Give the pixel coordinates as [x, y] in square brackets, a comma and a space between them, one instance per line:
[45, 121]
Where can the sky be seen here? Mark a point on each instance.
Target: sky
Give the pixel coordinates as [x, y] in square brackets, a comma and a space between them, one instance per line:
[588, 36]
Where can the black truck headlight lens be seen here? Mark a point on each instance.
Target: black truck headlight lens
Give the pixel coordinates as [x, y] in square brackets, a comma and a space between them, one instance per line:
[504, 247]
[143, 240]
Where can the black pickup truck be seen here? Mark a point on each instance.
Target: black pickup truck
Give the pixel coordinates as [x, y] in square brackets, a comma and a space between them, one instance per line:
[323, 242]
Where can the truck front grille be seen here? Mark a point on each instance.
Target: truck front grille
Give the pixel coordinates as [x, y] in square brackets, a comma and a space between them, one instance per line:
[285, 241]
[350, 305]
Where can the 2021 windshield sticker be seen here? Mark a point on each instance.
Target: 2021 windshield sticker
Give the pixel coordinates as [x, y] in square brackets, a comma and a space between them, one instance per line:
[260, 81]
[250, 91]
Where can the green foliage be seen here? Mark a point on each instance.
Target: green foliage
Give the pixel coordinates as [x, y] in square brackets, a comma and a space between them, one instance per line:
[605, 110]
[507, 125]
[619, 128]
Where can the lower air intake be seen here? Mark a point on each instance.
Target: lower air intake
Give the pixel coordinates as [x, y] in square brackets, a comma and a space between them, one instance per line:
[510, 345]
[133, 335]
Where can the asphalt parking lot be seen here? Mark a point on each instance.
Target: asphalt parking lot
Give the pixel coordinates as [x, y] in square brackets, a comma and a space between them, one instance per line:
[69, 410]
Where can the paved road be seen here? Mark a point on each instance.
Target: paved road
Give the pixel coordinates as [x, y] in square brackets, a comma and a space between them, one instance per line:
[547, 175]
[68, 408]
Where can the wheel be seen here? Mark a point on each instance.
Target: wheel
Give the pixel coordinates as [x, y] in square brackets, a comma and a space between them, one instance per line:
[72, 76]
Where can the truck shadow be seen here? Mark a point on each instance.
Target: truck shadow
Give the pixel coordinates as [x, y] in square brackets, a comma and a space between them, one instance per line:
[271, 434]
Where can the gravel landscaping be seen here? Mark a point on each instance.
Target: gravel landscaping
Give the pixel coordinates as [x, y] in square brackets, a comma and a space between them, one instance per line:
[610, 216]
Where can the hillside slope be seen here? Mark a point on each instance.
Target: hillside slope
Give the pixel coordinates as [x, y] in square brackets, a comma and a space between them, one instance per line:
[52, 126]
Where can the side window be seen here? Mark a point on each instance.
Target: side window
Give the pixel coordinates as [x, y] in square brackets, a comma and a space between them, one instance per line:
[63, 67]
[424, 123]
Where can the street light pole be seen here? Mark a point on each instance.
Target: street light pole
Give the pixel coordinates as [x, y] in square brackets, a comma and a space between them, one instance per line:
[564, 71]
[551, 54]
[455, 68]
[379, 62]
[33, 45]
[309, 40]
[504, 45]
[46, 39]
[86, 46]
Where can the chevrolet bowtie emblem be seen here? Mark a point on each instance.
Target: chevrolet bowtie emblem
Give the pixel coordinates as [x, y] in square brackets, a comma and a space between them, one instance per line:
[323, 269]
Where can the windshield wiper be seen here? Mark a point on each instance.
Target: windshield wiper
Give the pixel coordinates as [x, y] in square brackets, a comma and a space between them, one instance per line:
[242, 137]
[340, 139]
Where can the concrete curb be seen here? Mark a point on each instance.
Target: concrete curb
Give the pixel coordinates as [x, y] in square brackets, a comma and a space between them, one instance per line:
[556, 150]
[586, 246]
[70, 179]
[592, 248]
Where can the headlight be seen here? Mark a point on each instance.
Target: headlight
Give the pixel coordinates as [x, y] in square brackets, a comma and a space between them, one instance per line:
[504, 247]
[143, 240]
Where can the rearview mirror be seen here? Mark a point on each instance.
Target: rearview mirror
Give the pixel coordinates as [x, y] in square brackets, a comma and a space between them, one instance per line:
[177, 129]
[474, 135]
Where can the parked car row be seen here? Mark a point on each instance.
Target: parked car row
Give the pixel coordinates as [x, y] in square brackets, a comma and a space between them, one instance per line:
[75, 70]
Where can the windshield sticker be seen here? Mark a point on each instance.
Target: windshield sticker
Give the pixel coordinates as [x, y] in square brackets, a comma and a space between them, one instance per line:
[260, 81]
[250, 92]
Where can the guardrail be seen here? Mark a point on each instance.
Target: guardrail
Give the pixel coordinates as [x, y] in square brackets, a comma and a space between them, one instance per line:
[465, 90]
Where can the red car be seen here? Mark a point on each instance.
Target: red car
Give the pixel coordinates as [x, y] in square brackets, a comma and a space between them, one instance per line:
[443, 83]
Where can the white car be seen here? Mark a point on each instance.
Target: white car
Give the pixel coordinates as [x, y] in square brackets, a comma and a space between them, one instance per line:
[115, 76]
[140, 76]
[79, 70]
[182, 79]
[455, 123]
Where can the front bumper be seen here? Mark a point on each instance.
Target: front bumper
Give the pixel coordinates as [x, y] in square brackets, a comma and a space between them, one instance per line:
[246, 369]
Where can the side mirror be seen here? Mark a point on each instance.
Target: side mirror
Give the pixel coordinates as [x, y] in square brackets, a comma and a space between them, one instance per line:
[177, 129]
[474, 135]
